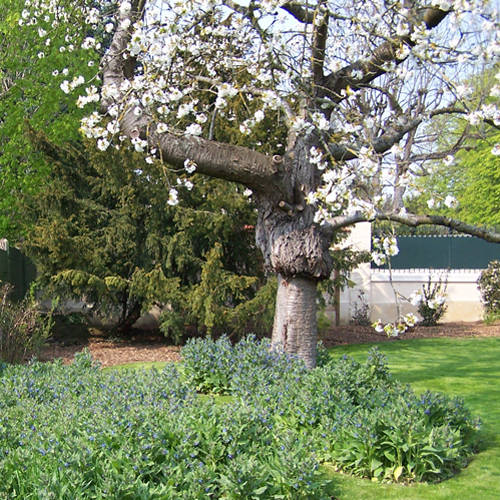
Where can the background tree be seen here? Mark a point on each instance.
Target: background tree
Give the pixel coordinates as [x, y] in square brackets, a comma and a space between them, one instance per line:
[30, 62]
[469, 188]
[353, 85]
[478, 194]
[103, 230]
[467, 180]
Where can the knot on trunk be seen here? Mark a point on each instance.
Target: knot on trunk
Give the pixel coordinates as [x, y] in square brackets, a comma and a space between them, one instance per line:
[302, 252]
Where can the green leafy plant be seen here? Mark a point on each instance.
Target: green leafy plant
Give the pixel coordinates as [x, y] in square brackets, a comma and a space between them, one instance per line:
[216, 366]
[489, 286]
[141, 434]
[356, 416]
[23, 328]
[149, 434]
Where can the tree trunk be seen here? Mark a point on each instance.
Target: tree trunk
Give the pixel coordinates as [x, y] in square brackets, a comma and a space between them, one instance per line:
[130, 314]
[295, 328]
[296, 249]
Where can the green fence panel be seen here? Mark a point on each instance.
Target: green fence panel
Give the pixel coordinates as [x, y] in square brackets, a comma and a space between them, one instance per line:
[467, 251]
[443, 252]
[17, 269]
[4, 265]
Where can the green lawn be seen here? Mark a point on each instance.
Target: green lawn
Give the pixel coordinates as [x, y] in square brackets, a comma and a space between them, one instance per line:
[465, 367]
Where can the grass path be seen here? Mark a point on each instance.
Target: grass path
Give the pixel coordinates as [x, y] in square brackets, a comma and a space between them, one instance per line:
[466, 367]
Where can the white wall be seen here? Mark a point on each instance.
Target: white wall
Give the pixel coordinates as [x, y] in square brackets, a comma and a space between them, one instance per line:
[463, 297]
[360, 239]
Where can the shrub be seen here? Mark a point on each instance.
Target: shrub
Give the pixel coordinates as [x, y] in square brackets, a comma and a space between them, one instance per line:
[23, 329]
[361, 313]
[489, 286]
[431, 301]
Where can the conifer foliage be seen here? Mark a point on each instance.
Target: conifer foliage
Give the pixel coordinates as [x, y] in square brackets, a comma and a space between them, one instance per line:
[103, 230]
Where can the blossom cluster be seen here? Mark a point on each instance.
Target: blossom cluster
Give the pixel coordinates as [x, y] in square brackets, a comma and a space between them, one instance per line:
[430, 301]
[399, 327]
[419, 298]
[197, 60]
[383, 248]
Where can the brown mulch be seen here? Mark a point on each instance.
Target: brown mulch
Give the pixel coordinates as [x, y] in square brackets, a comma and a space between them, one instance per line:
[152, 347]
[354, 334]
[110, 352]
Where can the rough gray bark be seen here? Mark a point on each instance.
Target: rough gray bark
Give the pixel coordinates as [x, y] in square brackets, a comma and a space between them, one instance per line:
[295, 330]
[292, 244]
[297, 250]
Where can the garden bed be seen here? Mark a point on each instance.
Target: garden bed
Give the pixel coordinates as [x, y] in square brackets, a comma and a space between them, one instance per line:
[166, 433]
[355, 334]
[153, 347]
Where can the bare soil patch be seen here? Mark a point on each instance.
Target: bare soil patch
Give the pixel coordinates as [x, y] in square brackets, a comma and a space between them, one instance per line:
[144, 347]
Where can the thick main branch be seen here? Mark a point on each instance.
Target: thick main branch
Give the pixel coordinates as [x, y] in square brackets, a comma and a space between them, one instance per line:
[224, 161]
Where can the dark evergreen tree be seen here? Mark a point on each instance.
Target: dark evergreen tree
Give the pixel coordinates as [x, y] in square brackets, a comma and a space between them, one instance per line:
[103, 230]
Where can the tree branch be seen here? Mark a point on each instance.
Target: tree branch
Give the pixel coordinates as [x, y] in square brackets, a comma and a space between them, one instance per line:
[334, 83]
[297, 10]
[320, 36]
[384, 142]
[441, 155]
[249, 13]
[413, 220]
[224, 161]
[305, 14]
[115, 69]
[380, 145]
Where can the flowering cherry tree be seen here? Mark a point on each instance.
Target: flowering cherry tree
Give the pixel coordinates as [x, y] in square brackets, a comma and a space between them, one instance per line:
[355, 85]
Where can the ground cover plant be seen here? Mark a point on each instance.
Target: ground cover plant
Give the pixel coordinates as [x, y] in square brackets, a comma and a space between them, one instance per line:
[356, 416]
[80, 432]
